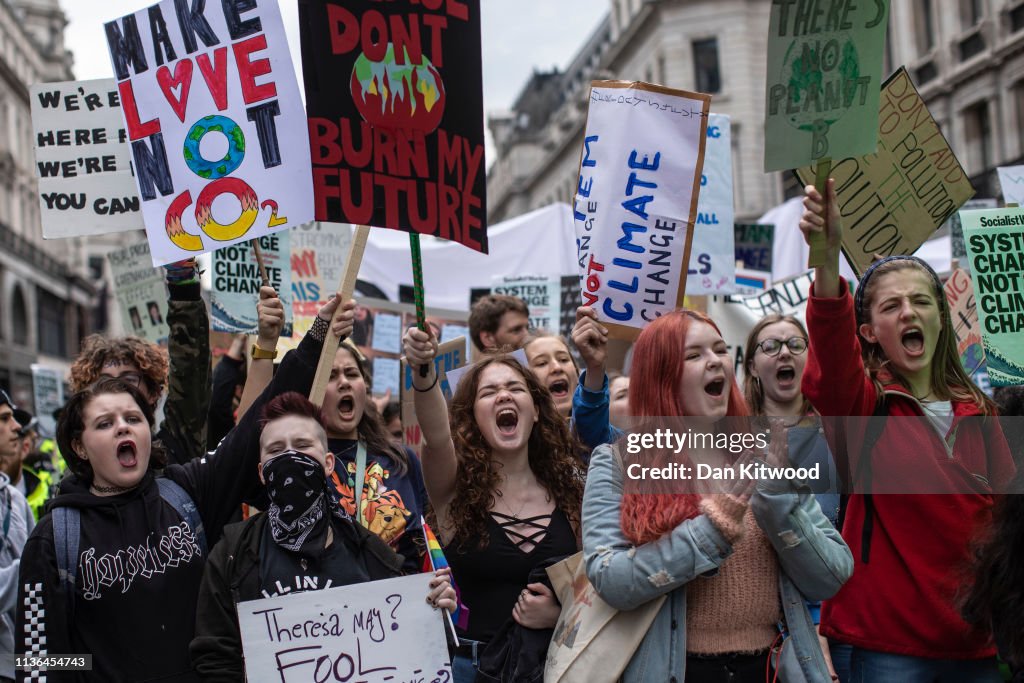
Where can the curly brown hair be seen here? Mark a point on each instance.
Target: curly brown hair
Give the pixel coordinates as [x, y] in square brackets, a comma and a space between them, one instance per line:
[553, 456]
[99, 351]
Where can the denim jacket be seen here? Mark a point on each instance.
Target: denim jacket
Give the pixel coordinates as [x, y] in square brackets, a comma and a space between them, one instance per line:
[813, 559]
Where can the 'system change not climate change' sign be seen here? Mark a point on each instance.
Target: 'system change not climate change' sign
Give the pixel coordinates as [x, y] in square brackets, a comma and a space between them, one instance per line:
[215, 122]
[995, 246]
[394, 93]
[824, 73]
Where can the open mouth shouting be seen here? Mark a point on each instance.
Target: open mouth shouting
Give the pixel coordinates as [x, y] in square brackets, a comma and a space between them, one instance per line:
[715, 388]
[559, 389]
[127, 454]
[347, 407]
[785, 375]
[912, 340]
[507, 421]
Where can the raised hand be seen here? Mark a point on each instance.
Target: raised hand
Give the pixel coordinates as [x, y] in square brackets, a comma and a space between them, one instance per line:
[591, 338]
[345, 323]
[270, 311]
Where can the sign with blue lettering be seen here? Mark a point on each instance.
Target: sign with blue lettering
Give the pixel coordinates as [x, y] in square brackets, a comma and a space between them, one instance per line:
[636, 200]
[712, 262]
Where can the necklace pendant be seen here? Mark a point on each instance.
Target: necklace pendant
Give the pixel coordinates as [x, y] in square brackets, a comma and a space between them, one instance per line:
[304, 564]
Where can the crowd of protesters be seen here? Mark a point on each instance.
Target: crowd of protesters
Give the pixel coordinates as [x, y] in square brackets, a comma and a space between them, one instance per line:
[524, 466]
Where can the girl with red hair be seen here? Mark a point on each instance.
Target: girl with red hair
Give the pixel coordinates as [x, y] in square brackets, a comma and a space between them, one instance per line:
[733, 566]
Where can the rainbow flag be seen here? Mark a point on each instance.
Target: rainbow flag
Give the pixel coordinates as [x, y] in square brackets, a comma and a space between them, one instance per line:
[433, 560]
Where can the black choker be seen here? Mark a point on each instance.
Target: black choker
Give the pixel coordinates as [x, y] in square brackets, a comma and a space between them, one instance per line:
[111, 489]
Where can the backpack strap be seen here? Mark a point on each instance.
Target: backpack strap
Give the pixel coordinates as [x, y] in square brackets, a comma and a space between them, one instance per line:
[183, 504]
[66, 534]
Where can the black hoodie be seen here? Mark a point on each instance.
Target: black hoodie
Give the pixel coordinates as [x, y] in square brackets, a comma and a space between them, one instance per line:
[139, 565]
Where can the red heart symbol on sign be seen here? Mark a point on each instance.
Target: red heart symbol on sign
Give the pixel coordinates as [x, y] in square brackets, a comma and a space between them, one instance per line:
[182, 79]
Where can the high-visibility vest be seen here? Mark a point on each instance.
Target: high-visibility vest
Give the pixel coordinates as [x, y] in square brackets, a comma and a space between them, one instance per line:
[38, 496]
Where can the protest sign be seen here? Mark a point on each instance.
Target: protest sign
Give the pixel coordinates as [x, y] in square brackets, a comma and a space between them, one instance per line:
[893, 200]
[995, 244]
[318, 253]
[737, 315]
[571, 294]
[712, 259]
[451, 355]
[957, 248]
[395, 102]
[236, 283]
[374, 632]
[215, 121]
[83, 163]
[754, 246]
[48, 395]
[963, 311]
[750, 282]
[541, 294]
[141, 293]
[1011, 179]
[824, 73]
[636, 200]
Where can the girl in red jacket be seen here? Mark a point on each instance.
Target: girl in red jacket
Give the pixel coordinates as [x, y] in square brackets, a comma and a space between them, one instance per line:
[892, 352]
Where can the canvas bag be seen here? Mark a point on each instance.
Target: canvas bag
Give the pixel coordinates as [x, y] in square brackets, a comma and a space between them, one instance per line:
[592, 640]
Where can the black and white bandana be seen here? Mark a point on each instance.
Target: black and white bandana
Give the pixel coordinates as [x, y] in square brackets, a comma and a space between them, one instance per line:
[299, 512]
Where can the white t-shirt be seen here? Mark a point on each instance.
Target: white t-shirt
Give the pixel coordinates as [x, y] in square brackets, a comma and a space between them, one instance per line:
[940, 414]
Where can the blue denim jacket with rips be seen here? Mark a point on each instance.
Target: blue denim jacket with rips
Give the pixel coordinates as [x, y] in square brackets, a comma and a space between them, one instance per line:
[814, 563]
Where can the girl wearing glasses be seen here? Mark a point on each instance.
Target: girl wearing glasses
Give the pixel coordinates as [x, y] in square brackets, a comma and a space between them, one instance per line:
[773, 365]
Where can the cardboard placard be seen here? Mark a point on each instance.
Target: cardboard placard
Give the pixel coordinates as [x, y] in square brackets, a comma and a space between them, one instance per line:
[141, 293]
[541, 294]
[754, 246]
[377, 631]
[636, 200]
[48, 396]
[215, 123]
[963, 310]
[236, 284]
[712, 259]
[394, 93]
[995, 244]
[893, 200]
[86, 186]
[824, 70]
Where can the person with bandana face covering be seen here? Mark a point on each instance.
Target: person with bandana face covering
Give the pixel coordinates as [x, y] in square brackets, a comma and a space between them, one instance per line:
[302, 542]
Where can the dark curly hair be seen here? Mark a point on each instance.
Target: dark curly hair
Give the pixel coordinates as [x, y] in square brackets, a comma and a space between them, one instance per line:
[72, 425]
[98, 351]
[553, 456]
[993, 599]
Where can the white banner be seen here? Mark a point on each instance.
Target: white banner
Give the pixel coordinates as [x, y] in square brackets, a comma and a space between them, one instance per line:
[636, 199]
[1011, 179]
[372, 632]
[83, 161]
[215, 121]
[141, 293]
[713, 254]
[737, 315]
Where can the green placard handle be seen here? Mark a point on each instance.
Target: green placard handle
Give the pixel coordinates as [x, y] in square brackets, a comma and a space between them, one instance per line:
[817, 257]
[417, 288]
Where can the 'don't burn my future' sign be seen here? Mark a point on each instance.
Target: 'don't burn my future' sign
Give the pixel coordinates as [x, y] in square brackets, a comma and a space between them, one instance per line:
[394, 94]
[824, 74]
[215, 123]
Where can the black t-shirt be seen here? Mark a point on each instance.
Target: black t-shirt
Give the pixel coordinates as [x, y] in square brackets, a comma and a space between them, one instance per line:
[282, 571]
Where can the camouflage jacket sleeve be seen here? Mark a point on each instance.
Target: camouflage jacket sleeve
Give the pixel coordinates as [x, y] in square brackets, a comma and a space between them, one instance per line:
[183, 431]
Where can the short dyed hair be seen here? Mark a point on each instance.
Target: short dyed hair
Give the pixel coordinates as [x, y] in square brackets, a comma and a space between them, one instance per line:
[293, 403]
[486, 314]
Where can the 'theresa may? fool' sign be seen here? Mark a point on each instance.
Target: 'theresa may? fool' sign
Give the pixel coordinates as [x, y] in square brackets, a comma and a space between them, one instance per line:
[86, 185]
[373, 632]
[636, 200]
[217, 129]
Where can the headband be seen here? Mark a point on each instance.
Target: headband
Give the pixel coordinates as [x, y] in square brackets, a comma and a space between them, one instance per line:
[858, 301]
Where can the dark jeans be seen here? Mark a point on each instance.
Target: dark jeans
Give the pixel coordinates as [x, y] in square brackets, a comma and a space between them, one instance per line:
[869, 666]
[730, 668]
[464, 667]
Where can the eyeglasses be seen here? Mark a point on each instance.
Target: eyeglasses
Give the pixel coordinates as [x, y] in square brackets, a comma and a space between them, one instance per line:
[772, 347]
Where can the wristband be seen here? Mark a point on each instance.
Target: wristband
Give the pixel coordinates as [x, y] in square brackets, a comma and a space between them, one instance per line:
[262, 354]
[432, 385]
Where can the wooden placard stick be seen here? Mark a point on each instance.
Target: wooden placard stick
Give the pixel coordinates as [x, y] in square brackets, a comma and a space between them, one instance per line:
[258, 255]
[346, 287]
[816, 258]
[417, 288]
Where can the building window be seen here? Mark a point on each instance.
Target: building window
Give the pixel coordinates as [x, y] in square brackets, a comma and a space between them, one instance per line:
[52, 324]
[1018, 100]
[705, 62]
[1017, 18]
[19, 317]
[972, 12]
[972, 45]
[925, 26]
[978, 133]
[926, 72]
